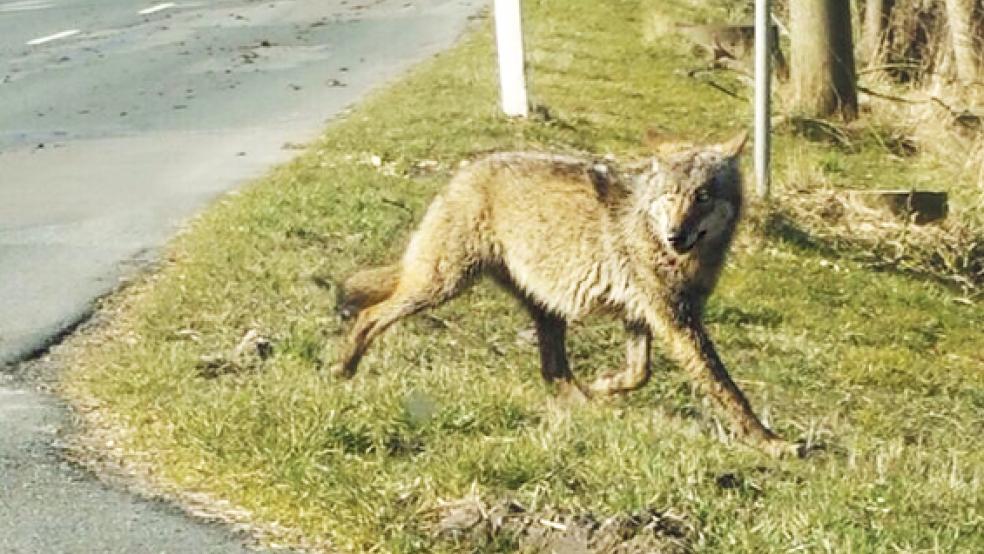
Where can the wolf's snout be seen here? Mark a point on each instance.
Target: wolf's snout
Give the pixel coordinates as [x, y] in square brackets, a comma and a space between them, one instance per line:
[683, 242]
[676, 237]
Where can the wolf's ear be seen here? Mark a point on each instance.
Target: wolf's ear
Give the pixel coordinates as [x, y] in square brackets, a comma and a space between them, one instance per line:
[734, 147]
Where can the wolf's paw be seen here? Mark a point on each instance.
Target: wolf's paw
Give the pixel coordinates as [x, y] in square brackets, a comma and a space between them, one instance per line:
[780, 448]
[605, 384]
[611, 383]
[340, 371]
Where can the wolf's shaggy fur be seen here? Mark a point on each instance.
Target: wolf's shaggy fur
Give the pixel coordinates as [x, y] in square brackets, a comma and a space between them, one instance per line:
[569, 236]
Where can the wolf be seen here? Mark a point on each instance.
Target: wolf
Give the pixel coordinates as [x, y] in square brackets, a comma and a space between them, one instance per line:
[569, 236]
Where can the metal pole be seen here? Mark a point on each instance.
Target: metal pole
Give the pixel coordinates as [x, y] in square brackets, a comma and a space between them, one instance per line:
[763, 95]
[509, 41]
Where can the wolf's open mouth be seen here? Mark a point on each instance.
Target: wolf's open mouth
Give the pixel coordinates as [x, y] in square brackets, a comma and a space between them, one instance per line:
[687, 247]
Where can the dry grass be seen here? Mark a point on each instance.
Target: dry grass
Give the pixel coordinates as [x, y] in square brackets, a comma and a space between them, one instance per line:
[927, 147]
[951, 251]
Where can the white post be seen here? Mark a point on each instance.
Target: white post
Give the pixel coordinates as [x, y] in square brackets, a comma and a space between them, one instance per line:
[512, 65]
[763, 94]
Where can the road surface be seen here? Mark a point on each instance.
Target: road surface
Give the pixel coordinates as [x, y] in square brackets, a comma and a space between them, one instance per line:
[117, 121]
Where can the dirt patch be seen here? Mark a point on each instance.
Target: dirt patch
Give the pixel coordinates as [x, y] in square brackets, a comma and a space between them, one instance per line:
[508, 523]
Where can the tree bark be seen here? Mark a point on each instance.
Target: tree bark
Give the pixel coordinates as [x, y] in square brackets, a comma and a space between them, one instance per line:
[873, 30]
[964, 39]
[823, 75]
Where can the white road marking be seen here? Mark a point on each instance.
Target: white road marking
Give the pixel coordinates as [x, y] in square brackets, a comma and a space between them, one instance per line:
[56, 36]
[24, 6]
[157, 8]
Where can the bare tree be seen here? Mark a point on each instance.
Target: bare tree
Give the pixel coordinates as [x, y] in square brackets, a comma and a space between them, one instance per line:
[873, 29]
[964, 38]
[823, 76]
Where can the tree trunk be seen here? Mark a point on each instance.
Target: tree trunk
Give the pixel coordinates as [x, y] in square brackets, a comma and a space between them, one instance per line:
[823, 76]
[873, 30]
[963, 38]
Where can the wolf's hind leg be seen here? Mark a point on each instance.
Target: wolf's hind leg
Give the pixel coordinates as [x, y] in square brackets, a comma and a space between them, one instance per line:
[370, 323]
[636, 372]
[418, 288]
[551, 332]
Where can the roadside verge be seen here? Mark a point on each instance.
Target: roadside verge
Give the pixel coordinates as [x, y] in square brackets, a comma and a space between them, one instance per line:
[880, 366]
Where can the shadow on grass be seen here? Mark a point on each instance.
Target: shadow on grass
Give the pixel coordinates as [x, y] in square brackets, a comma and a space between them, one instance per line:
[781, 227]
[778, 226]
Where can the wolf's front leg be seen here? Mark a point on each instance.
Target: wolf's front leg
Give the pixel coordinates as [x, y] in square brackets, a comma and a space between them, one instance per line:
[636, 372]
[551, 331]
[689, 345]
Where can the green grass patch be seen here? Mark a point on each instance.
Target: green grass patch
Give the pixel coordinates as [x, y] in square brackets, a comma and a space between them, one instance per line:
[884, 368]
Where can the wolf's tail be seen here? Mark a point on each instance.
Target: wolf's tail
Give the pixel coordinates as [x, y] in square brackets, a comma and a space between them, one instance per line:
[367, 288]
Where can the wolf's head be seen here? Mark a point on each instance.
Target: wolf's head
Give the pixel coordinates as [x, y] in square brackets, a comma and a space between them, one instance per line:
[693, 198]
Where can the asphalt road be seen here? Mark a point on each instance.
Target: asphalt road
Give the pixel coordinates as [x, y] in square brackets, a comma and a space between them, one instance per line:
[117, 125]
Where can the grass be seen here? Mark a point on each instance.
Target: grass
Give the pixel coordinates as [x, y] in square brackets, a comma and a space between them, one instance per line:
[882, 366]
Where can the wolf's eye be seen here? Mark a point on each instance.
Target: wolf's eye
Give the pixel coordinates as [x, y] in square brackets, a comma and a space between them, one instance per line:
[703, 195]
